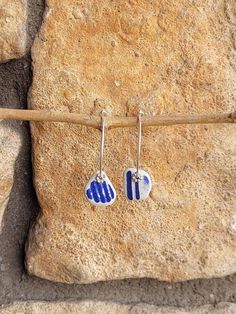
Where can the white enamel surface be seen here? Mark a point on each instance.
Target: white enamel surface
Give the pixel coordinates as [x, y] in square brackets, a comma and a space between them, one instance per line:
[97, 194]
[144, 186]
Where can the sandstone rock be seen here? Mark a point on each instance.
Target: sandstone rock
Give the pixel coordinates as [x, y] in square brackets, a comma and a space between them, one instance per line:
[13, 18]
[96, 307]
[165, 57]
[10, 143]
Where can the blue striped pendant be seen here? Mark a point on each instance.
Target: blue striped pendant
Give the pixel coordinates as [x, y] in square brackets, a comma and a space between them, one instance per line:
[137, 189]
[100, 191]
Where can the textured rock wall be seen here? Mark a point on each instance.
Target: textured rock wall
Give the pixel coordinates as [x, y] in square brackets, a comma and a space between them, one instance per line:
[95, 307]
[13, 34]
[10, 143]
[165, 57]
[15, 285]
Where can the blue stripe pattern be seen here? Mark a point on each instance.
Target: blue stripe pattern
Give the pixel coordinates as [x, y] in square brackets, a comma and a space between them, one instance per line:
[137, 190]
[129, 185]
[145, 180]
[108, 197]
[100, 192]
[137, 194]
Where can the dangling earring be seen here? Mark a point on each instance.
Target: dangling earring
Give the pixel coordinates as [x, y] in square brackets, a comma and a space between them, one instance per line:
[99, 190]
[137, 182]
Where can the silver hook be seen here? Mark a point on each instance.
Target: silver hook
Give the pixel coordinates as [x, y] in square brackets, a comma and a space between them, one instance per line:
[137, 177]
[100, 176]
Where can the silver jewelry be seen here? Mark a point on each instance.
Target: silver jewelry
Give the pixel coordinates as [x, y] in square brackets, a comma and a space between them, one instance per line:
[100, 191]
[137, 182]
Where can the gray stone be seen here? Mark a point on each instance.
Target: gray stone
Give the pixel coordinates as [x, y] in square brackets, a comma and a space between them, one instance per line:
[96, 307]
[10, 143]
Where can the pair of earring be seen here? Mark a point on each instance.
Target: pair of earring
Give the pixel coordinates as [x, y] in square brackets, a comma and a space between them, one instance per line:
[137, 183]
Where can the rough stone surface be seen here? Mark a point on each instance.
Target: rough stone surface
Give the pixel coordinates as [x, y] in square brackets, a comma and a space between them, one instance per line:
[13, 24]
[166, 57]
[96, 307]
[22, 208]
[10, 143]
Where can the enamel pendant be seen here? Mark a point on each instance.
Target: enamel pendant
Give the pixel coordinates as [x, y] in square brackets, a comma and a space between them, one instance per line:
[137, 182]
[137, 188]
[99, 190]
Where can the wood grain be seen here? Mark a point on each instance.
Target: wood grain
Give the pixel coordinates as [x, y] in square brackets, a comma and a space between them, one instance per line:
[115, 122]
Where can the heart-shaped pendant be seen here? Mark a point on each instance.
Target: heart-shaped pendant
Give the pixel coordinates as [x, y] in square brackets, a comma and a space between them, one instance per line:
[99, 190]
[137, 186]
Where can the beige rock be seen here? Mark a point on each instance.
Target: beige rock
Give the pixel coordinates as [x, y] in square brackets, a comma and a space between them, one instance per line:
[165, 57]
[96, 307]
[10, 143]
[13, 18]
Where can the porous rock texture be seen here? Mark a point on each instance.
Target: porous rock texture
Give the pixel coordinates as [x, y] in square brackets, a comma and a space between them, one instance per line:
[172, 56]
[13, 24]
[10, 144]
[96, 307]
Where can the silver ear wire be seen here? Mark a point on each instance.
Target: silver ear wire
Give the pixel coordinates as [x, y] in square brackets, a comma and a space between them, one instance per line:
[140, 114]
[100, 175]
[137, 182]
[99, 191]
[137, 176]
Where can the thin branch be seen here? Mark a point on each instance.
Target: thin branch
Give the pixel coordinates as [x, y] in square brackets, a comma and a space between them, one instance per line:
[115, 122]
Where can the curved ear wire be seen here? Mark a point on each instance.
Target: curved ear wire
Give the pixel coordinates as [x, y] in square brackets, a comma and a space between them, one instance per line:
[140, 114]
[99, 191]
[103, 113]
[137, 182]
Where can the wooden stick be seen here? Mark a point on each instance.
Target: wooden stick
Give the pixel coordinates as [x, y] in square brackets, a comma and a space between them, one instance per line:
[114, 122]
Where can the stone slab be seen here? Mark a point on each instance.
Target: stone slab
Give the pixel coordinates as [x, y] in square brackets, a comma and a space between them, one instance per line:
[13, 32]
[96, 307]
[163, 57]
[10, 144]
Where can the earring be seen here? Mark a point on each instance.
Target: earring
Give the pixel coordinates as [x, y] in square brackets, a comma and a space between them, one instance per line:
[137, 182]
[99, 190]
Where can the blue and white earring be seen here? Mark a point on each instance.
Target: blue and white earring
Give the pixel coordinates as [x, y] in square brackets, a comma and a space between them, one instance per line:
[137, 182]
[99, 191]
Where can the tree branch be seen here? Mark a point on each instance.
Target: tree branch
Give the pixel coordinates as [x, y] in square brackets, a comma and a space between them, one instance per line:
[115, 122]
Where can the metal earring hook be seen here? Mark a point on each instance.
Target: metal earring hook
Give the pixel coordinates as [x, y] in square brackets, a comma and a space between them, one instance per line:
[137, 182]
[100, 177]
[137, 176]
[99, 191]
